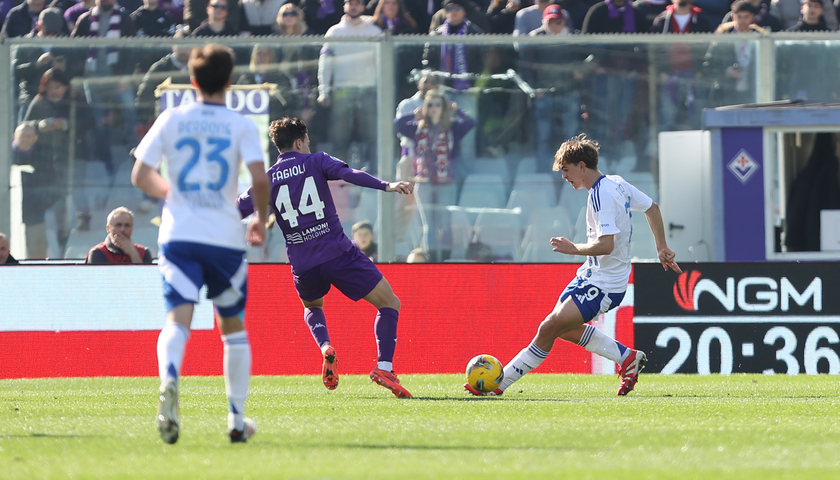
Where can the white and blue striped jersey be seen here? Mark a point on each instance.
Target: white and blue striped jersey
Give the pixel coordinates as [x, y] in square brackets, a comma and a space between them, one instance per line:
[609, 212]
[203, 146]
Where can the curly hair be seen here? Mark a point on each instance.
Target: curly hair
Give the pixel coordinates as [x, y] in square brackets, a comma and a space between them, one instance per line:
[575, 150]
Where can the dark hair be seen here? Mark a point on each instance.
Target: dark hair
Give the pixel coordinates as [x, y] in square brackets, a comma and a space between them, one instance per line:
[575, 150]
[744, 6]
[211, 66]
[285, 131]
[52, 75]
[360, 225]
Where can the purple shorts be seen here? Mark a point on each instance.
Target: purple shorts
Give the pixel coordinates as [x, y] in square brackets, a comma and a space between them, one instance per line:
[352, 273]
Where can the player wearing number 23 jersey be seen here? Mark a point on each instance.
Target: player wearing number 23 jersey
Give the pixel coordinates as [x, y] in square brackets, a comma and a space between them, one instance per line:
[320, 254]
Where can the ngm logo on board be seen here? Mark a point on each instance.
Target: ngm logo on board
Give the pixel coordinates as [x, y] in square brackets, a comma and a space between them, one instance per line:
[748, 294]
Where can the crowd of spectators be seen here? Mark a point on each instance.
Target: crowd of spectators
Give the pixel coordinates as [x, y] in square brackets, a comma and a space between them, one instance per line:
[600, 89]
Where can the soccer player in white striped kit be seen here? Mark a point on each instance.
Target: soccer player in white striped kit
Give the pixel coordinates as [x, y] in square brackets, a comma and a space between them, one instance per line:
[601, 282]
[202, 241]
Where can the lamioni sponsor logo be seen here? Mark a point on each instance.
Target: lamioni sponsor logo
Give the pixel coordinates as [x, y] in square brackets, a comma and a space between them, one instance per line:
[770, 294]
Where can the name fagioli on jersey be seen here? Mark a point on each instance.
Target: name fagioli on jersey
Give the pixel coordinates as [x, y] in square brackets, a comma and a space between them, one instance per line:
[288, 173]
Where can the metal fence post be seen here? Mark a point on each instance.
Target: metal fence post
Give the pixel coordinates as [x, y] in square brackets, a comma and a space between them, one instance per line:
[386, 106]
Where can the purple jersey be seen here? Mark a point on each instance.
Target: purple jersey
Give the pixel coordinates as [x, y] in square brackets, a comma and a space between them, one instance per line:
[304, 207]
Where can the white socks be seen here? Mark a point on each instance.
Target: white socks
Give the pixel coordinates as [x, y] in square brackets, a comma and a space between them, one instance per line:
[598, 342]
[237, 366]
[170, 351]
[387, 366]
[528, 359]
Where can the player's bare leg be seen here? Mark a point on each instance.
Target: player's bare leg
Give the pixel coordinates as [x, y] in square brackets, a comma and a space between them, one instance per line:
[317, 323]
[172, 342]
[382, 297]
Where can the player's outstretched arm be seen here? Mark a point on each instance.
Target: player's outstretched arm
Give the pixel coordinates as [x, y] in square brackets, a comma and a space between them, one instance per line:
[666, 255]
[602, 246]
[260, 191]
[149, 180]
[400, 187]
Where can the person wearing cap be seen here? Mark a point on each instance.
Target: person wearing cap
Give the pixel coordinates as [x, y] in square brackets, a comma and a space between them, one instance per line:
[562, 69]
[474, 14]
[812, 18]
[790, 13]
[763, 18]
[531, 18]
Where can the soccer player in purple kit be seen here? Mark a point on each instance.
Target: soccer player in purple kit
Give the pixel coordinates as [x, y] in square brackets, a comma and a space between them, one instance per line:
[320, 253]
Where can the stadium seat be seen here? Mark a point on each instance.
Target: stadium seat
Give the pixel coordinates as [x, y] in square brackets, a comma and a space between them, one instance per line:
[462, 234]
[501, 232]
[483, 190]
[368, 207]
[146, 236]
[555, 218]
[526, 165]
[642, 246]
[532, 191]
[573, 200]
[546, 224]
[492, 166]
[79, 243]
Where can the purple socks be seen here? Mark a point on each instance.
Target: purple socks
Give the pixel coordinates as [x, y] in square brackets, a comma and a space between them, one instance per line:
[386, 333]
[317, 325]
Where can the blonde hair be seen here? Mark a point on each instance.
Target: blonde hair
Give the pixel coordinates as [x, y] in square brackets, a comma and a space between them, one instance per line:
[445, 120]
[299, 28]
[118, 211]
[272, 55]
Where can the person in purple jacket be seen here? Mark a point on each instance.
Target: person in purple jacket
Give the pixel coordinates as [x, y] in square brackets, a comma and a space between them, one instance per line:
[320, 253]
[436, 128]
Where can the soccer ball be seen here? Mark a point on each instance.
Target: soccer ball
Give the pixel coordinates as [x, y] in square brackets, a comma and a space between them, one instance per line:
[485, 373]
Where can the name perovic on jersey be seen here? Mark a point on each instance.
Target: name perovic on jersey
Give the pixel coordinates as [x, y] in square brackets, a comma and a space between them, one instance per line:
[203, 146]
[608, 212]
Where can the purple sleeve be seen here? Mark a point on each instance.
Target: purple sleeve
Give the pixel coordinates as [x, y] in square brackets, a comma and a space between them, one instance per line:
[406, 125]
[360, 178]
[462, 124]
[245, 204]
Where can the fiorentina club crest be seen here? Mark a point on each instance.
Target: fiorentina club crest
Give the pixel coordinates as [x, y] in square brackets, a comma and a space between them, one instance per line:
[743, 166]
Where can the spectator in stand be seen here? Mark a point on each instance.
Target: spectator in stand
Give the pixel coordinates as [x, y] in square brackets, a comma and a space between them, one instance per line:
[363, 238]
[763, 17]
[458, 59]
[5, 257]
[5, 7]
[731, 64]
[813, 19]
[422, 12]
[298, 61]
[418, 255]
[531, 18]
[802, 71]
[501, 15]
[172, 65]
[108, 94]
[680, 67]
[217, 24]
[264, 68]
[791, 13]
[346, 82]
[152, 21]
[22, 19]
[259, 16]
[50, 112]
[619, 87]
[474, 14]
[437, 129]
[38, 186]
[30, 63]
[561, 69]
[196, 12]
[321, 15]
[117, 246]
[576, 11]
[392, 17]
[72, 13]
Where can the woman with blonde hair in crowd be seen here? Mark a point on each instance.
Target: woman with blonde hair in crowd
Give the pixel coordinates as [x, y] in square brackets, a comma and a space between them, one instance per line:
[437, 128]
[290, 21]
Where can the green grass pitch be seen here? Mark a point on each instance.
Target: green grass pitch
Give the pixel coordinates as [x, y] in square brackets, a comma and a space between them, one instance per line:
[546, 426]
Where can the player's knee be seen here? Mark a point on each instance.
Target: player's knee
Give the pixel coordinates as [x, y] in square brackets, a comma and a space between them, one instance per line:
[552, 325]
[392, 301]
